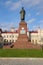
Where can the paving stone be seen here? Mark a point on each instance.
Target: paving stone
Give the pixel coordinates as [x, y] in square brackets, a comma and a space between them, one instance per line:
[21, 61]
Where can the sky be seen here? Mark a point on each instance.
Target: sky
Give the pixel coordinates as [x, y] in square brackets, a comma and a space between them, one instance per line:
[10, 13]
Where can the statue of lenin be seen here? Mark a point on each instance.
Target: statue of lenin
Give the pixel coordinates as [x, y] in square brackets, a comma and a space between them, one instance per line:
[22, 12]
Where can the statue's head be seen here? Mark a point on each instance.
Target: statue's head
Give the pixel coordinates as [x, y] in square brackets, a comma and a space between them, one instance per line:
[22, 8]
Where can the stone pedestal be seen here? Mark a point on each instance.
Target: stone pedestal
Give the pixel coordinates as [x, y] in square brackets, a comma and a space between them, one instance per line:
[22, 32]
[22, 41]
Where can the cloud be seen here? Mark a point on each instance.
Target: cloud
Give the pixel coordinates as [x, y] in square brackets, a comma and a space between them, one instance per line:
[37, 13]
[41, 21]
[15, 5]
[10, 4]
[40, 25]
[31, 20]
[7, 25]
[34, 4]
[31, 3]
[29, 15]
[35, 27]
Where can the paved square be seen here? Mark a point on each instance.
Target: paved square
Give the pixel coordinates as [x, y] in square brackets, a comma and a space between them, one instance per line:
[21, 61]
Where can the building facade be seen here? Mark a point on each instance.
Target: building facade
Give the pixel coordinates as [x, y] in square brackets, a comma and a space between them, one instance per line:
[36, 37]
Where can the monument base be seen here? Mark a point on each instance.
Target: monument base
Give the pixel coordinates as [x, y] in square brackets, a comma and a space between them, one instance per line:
[25, 44]
[23, 40]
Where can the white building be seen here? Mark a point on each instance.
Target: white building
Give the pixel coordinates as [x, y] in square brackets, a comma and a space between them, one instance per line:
[36, 37]
[10, 36]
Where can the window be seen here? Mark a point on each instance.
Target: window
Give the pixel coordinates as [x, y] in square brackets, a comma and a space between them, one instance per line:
[10, 35]
[32, 41]
[5, 40]
[42, 39]
[36, 41]
[16, 36]
[10, 40]
[13, 36]
[4, 36]
[7, 36]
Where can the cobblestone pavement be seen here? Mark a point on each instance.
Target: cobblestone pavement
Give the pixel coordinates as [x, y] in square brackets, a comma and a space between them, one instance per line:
[21, 61]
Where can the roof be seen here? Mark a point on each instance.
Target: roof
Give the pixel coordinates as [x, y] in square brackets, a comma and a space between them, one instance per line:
[33, 31]
[9, 32]
[0, 29]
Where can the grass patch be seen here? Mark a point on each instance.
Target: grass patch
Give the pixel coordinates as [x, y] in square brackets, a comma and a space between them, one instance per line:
[21, 53]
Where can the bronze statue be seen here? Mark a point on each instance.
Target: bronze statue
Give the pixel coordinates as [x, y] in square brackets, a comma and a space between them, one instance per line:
[22, 12]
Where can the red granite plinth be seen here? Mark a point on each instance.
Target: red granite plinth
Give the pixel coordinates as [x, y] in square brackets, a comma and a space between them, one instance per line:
[22, 41]
[26, 45]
